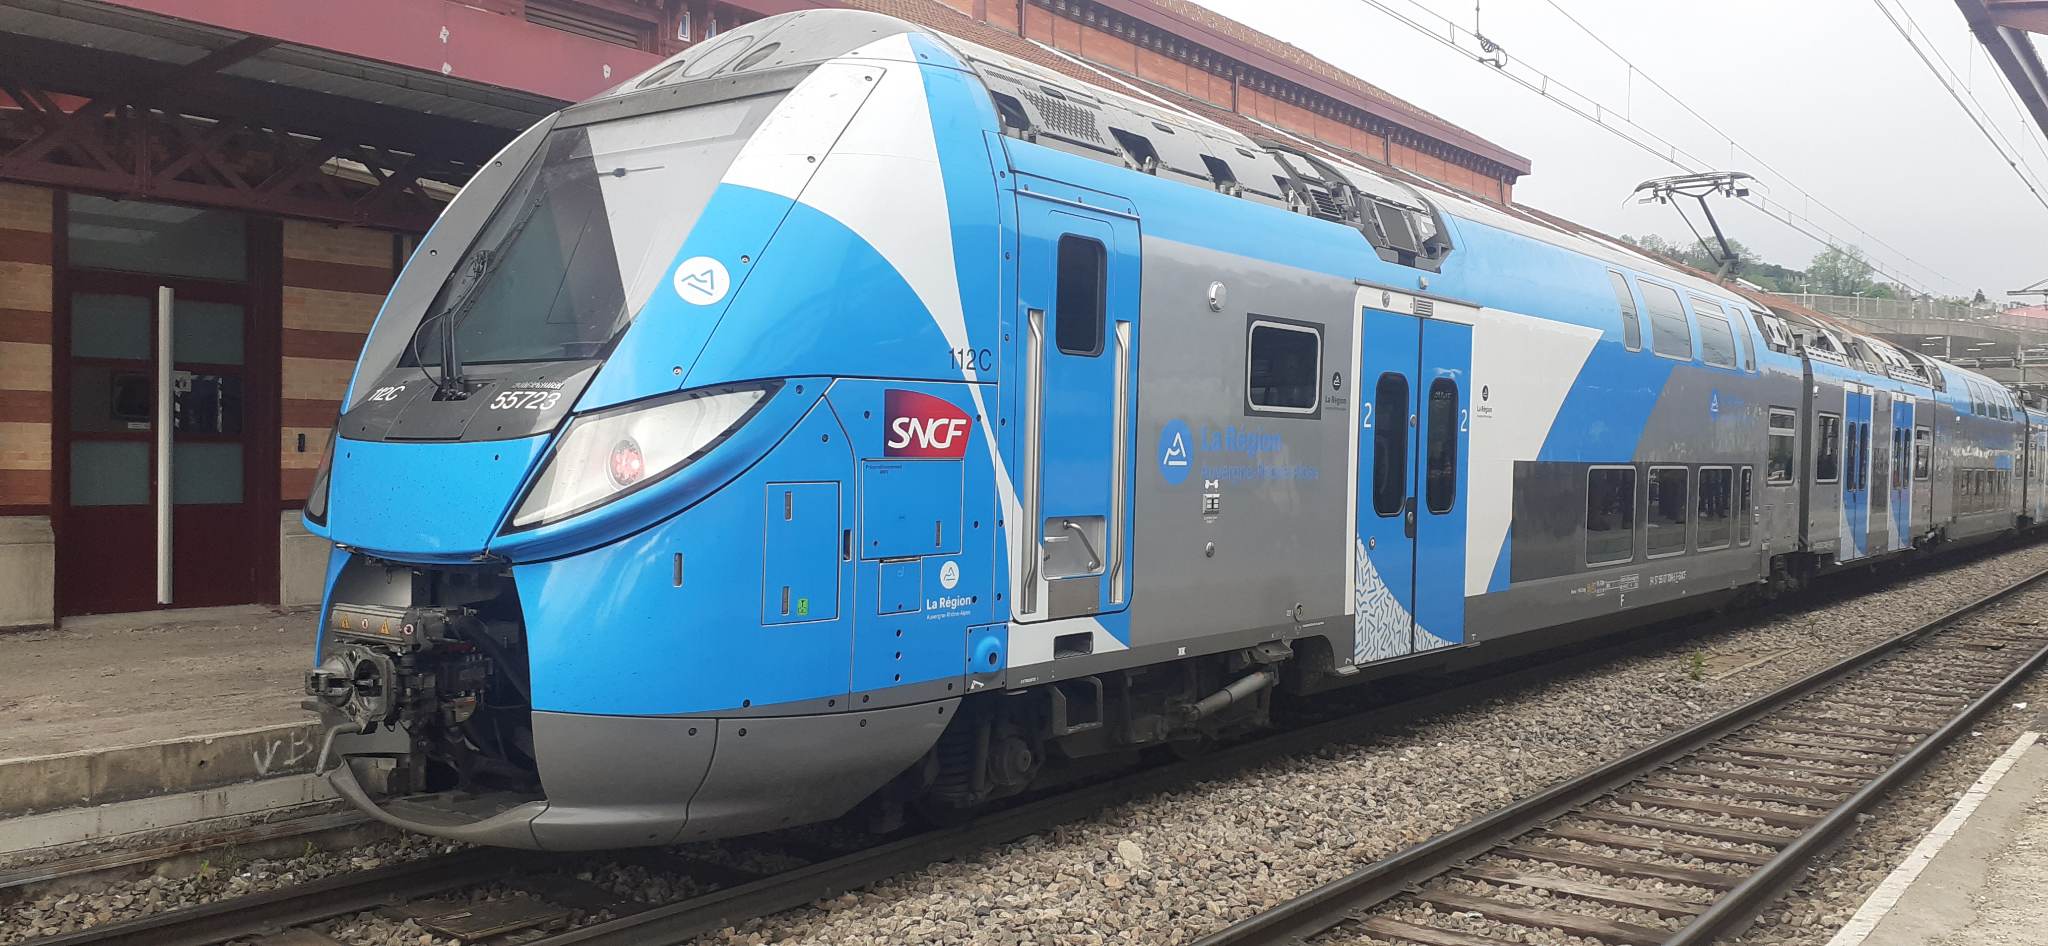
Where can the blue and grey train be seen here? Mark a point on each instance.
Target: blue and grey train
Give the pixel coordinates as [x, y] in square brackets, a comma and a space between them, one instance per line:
[845, 413]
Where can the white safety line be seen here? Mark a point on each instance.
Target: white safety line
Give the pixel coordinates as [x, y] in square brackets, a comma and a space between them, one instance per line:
[1887, 894]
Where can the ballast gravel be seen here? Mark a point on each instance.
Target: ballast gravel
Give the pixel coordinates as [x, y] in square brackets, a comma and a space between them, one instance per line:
[1220, 851]
[1171, 868]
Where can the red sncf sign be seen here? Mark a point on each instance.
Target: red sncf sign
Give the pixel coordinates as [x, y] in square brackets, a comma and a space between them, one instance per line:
[921, 426]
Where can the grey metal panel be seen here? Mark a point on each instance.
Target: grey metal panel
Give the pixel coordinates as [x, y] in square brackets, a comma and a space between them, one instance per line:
[617, 781]
[769, 773]
[1277, 543]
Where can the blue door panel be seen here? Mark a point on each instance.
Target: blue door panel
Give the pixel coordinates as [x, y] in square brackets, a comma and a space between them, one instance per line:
[1084, 433]
[1856, 476]
[1384, 582]
[1442, 436]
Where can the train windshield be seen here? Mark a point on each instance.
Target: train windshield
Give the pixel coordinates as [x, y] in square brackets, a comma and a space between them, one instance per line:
[583, 236]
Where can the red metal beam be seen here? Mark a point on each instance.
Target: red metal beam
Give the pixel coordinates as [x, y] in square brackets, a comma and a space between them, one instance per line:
[2028, 15]
[2013, 50]
[437, 36]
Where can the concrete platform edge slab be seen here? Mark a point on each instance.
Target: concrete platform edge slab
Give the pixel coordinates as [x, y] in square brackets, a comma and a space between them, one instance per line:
[1923, 898]
[186, 809]
[102, 776]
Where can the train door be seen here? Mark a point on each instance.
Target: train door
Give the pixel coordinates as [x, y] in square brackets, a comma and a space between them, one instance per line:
[1077, 282]
[1856, 475]
[1904, 409]
[1412, 429]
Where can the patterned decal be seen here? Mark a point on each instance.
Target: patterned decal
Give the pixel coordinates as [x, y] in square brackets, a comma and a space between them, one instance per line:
[1382, 627]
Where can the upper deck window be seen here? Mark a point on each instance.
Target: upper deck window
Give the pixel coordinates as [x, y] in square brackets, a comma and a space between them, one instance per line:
[1670, 332]
[1631, 324]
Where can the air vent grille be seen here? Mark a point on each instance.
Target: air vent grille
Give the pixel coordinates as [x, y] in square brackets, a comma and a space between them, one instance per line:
[1425, 308]
[1064, 118]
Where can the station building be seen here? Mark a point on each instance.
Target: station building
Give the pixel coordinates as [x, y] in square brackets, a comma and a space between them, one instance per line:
[203, 201]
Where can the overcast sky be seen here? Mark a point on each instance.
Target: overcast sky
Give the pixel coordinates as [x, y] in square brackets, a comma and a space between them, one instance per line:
[1824, 91]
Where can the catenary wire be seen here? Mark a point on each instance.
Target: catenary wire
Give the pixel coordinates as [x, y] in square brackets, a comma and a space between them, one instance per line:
[1642, 138]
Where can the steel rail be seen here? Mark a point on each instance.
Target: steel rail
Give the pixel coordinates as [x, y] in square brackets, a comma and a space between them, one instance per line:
[258, 913]
[1330, 905]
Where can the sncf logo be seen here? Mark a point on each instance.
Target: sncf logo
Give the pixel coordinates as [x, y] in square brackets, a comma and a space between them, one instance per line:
[922, 426]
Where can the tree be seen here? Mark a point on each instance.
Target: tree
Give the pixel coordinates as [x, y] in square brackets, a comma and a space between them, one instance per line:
[1840, 271]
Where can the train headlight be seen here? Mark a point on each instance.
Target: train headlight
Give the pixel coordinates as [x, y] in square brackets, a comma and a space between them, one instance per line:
[604, 456]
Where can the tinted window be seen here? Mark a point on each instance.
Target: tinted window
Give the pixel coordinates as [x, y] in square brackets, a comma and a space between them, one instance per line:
[1745, 519]
[1716, 504]
[1784, 435]
[1670, 333]
[1923, 453]
[1082, 292]
[1827, 464]
[1285, 362]
[1390, 444]
[1631, 324]
[1669, 510]
[1717, 341]
[1442, 455]
[1610, 515]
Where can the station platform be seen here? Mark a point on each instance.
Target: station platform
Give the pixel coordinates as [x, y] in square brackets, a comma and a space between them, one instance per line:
[123, 680]
[122, 724]
[1975, 879]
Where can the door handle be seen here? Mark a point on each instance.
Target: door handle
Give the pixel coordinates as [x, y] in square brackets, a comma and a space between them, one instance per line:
[1408, 517]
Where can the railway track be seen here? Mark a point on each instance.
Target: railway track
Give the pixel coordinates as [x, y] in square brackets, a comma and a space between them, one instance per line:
[500, 897]
[1686, 841]
[529, 899]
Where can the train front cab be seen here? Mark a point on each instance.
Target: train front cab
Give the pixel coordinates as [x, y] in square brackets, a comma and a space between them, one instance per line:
[734, 566]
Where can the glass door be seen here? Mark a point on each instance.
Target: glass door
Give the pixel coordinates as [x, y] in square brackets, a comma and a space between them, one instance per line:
[156, 449]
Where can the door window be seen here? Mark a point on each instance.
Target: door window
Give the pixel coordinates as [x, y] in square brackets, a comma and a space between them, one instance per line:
[1441, 456]
[1081, 295]
[1390, 444]
[1923, 453]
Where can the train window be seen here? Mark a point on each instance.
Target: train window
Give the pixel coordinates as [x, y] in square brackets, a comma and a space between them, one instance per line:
[1744, 518]
[1923, 453]
[1670, 508]
[1716, 505]
[1670, 333]
[1827, 464]
[1631, 324]
[1390, 444]
[1784, 434]
[1717, 342]
[1283, 362]
[1610, 515]
[1440, 458]
[1082, 294]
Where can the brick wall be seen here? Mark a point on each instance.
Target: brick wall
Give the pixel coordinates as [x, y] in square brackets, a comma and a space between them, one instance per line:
[25, 300]
[334, 280]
